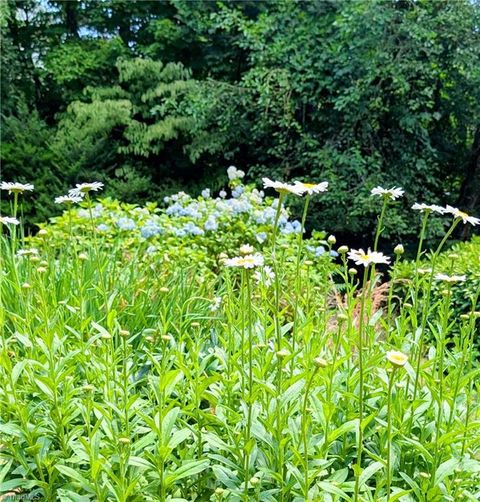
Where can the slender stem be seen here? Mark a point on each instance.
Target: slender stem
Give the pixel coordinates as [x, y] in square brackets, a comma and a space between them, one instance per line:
[361, 387]
[298, 276]
[380, 222]
[250, 383]
[278, 335]
[304, 432]
[389, 432]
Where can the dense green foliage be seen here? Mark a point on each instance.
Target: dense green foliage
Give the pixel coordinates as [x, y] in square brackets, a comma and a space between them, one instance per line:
[137, 363]
[152, 96]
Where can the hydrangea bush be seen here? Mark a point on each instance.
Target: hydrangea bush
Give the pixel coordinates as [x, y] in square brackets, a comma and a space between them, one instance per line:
[186, 228]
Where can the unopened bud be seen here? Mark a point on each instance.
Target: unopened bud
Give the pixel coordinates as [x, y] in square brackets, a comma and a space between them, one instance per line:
[320, 362]
[343, 249]
[399, 249]
[281, 354]
[331, 239]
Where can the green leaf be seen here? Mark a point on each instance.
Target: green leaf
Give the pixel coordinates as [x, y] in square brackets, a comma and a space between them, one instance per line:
[369, 471]
[189, 468]
[445, 469]
[75, 475]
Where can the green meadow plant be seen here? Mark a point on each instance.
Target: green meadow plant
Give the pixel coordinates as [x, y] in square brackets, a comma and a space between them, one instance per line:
[208, 350]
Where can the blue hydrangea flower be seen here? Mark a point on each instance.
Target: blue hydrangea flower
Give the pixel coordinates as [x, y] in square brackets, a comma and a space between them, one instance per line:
[222, 194]
[211, 224]
[261, 237]
[206, 193]
[192, 229]
[292, 227]
[103, 228]
[237, 191]
[151, 249]
[126, 224]
[150, 228]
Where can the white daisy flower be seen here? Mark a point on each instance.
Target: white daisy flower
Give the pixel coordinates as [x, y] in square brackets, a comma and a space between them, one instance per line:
[450, 278]
[429, 208]
[69, 199]
[281, 187]
[217, 301]
[361, 258]
[16, 187]
[266, 275]
[248, 261]
[83, 188]
[246, 249]
[313, 188]
[25, 252]
[7, 220]
[397, 358]
[393, 193]
[462, 215]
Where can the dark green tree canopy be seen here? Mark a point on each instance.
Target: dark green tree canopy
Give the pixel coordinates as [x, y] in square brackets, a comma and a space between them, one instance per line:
[152, 96]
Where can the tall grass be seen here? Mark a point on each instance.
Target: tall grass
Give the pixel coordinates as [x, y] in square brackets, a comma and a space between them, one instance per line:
[125, 378]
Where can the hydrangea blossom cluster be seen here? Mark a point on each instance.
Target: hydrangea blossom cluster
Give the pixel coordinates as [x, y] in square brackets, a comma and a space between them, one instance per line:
[186, 216]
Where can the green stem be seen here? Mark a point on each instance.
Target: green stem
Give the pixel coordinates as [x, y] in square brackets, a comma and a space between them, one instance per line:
[298, 278]
[389, 433]
[361, 389]
[304, 433]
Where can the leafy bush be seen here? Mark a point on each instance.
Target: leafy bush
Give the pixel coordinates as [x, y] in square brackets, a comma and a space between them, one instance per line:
[462, 259]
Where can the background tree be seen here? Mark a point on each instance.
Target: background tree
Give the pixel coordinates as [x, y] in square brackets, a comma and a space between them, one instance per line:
[153, 96]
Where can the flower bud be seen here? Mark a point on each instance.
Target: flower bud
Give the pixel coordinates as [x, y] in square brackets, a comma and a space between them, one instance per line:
[352, 271]
[124, 440]
[125, 333]
[254, 481]
[399, 250]
[343, 249]
[42, 232]
[282, 354]
[320, 362]
[83, 256]
[25, 285]
[41, 270]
